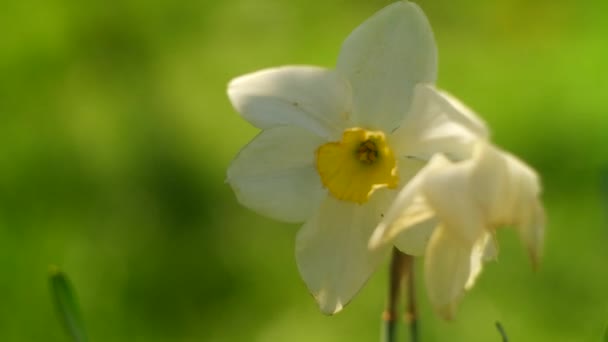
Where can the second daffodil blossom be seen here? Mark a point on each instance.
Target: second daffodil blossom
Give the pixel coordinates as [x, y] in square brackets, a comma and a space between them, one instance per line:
[337, 145]
[450, 212]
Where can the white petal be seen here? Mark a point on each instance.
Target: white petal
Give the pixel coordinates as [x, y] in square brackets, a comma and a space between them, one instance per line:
[528, 212]
[460, 113]
[490, 251]
[332, 253]
[508, 192]
[447, 268]
[532, 233]
[434, 125]
[408, 168]
[409, 211]
[448, 192]
[484, 249]
[415, 238]
[275, 175]
[491, 186]
[311, 97]
[384, 58]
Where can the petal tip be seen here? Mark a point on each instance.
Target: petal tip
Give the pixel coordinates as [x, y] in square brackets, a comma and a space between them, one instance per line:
[327, 307]
[534, 260]
[447, 312]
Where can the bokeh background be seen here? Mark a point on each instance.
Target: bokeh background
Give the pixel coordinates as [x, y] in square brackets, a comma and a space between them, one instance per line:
[115, 134]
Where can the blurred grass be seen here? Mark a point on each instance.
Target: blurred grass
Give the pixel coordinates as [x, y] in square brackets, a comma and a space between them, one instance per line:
[116, 133]
[66, 304]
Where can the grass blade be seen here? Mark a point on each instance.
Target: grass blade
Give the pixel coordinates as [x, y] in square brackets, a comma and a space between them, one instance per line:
[66, 304]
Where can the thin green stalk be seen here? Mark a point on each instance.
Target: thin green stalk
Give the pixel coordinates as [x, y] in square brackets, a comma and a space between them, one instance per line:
[400, 263]
[502, 332]
[411, 312]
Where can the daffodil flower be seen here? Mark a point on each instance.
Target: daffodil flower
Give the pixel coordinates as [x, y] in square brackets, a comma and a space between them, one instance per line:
[450, 212]
[337, 145]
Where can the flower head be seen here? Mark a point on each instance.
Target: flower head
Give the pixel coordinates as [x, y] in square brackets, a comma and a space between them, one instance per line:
[451, 210]
[337, 145]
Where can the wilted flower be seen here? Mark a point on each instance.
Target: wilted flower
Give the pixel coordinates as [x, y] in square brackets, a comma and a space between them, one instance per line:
[337, 145]
[450, 212]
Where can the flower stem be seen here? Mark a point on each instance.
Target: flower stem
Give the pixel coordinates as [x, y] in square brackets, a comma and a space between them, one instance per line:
[411, 312]
[401, 266]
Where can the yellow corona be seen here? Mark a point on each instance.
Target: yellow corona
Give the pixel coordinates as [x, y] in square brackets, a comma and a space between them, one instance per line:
[351, 169]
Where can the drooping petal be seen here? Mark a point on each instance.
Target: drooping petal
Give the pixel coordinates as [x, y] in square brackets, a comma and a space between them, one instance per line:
[437, 124]
[508, 192]
[384, 58]
[332, 253]
[532, 233]
[447, 191]
[483, 250]
[310, 97]
[447, 268]
[528, 211]
[275, 175]
[490, 251]
[491, 187]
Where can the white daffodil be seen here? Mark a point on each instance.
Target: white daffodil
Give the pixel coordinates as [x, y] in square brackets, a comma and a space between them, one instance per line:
[450, 212]
[337, 145]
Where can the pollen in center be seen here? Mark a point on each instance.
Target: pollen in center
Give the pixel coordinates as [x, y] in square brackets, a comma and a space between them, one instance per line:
[367, 152]
[351, 169]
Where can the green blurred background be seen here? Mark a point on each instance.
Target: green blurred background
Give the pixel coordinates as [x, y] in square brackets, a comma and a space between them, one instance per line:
[115, 134]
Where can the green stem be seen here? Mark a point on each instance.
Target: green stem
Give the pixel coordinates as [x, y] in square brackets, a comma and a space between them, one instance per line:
[399, 267]
[411, 312]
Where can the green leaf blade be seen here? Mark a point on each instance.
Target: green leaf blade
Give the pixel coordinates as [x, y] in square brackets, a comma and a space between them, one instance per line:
[66, 304]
